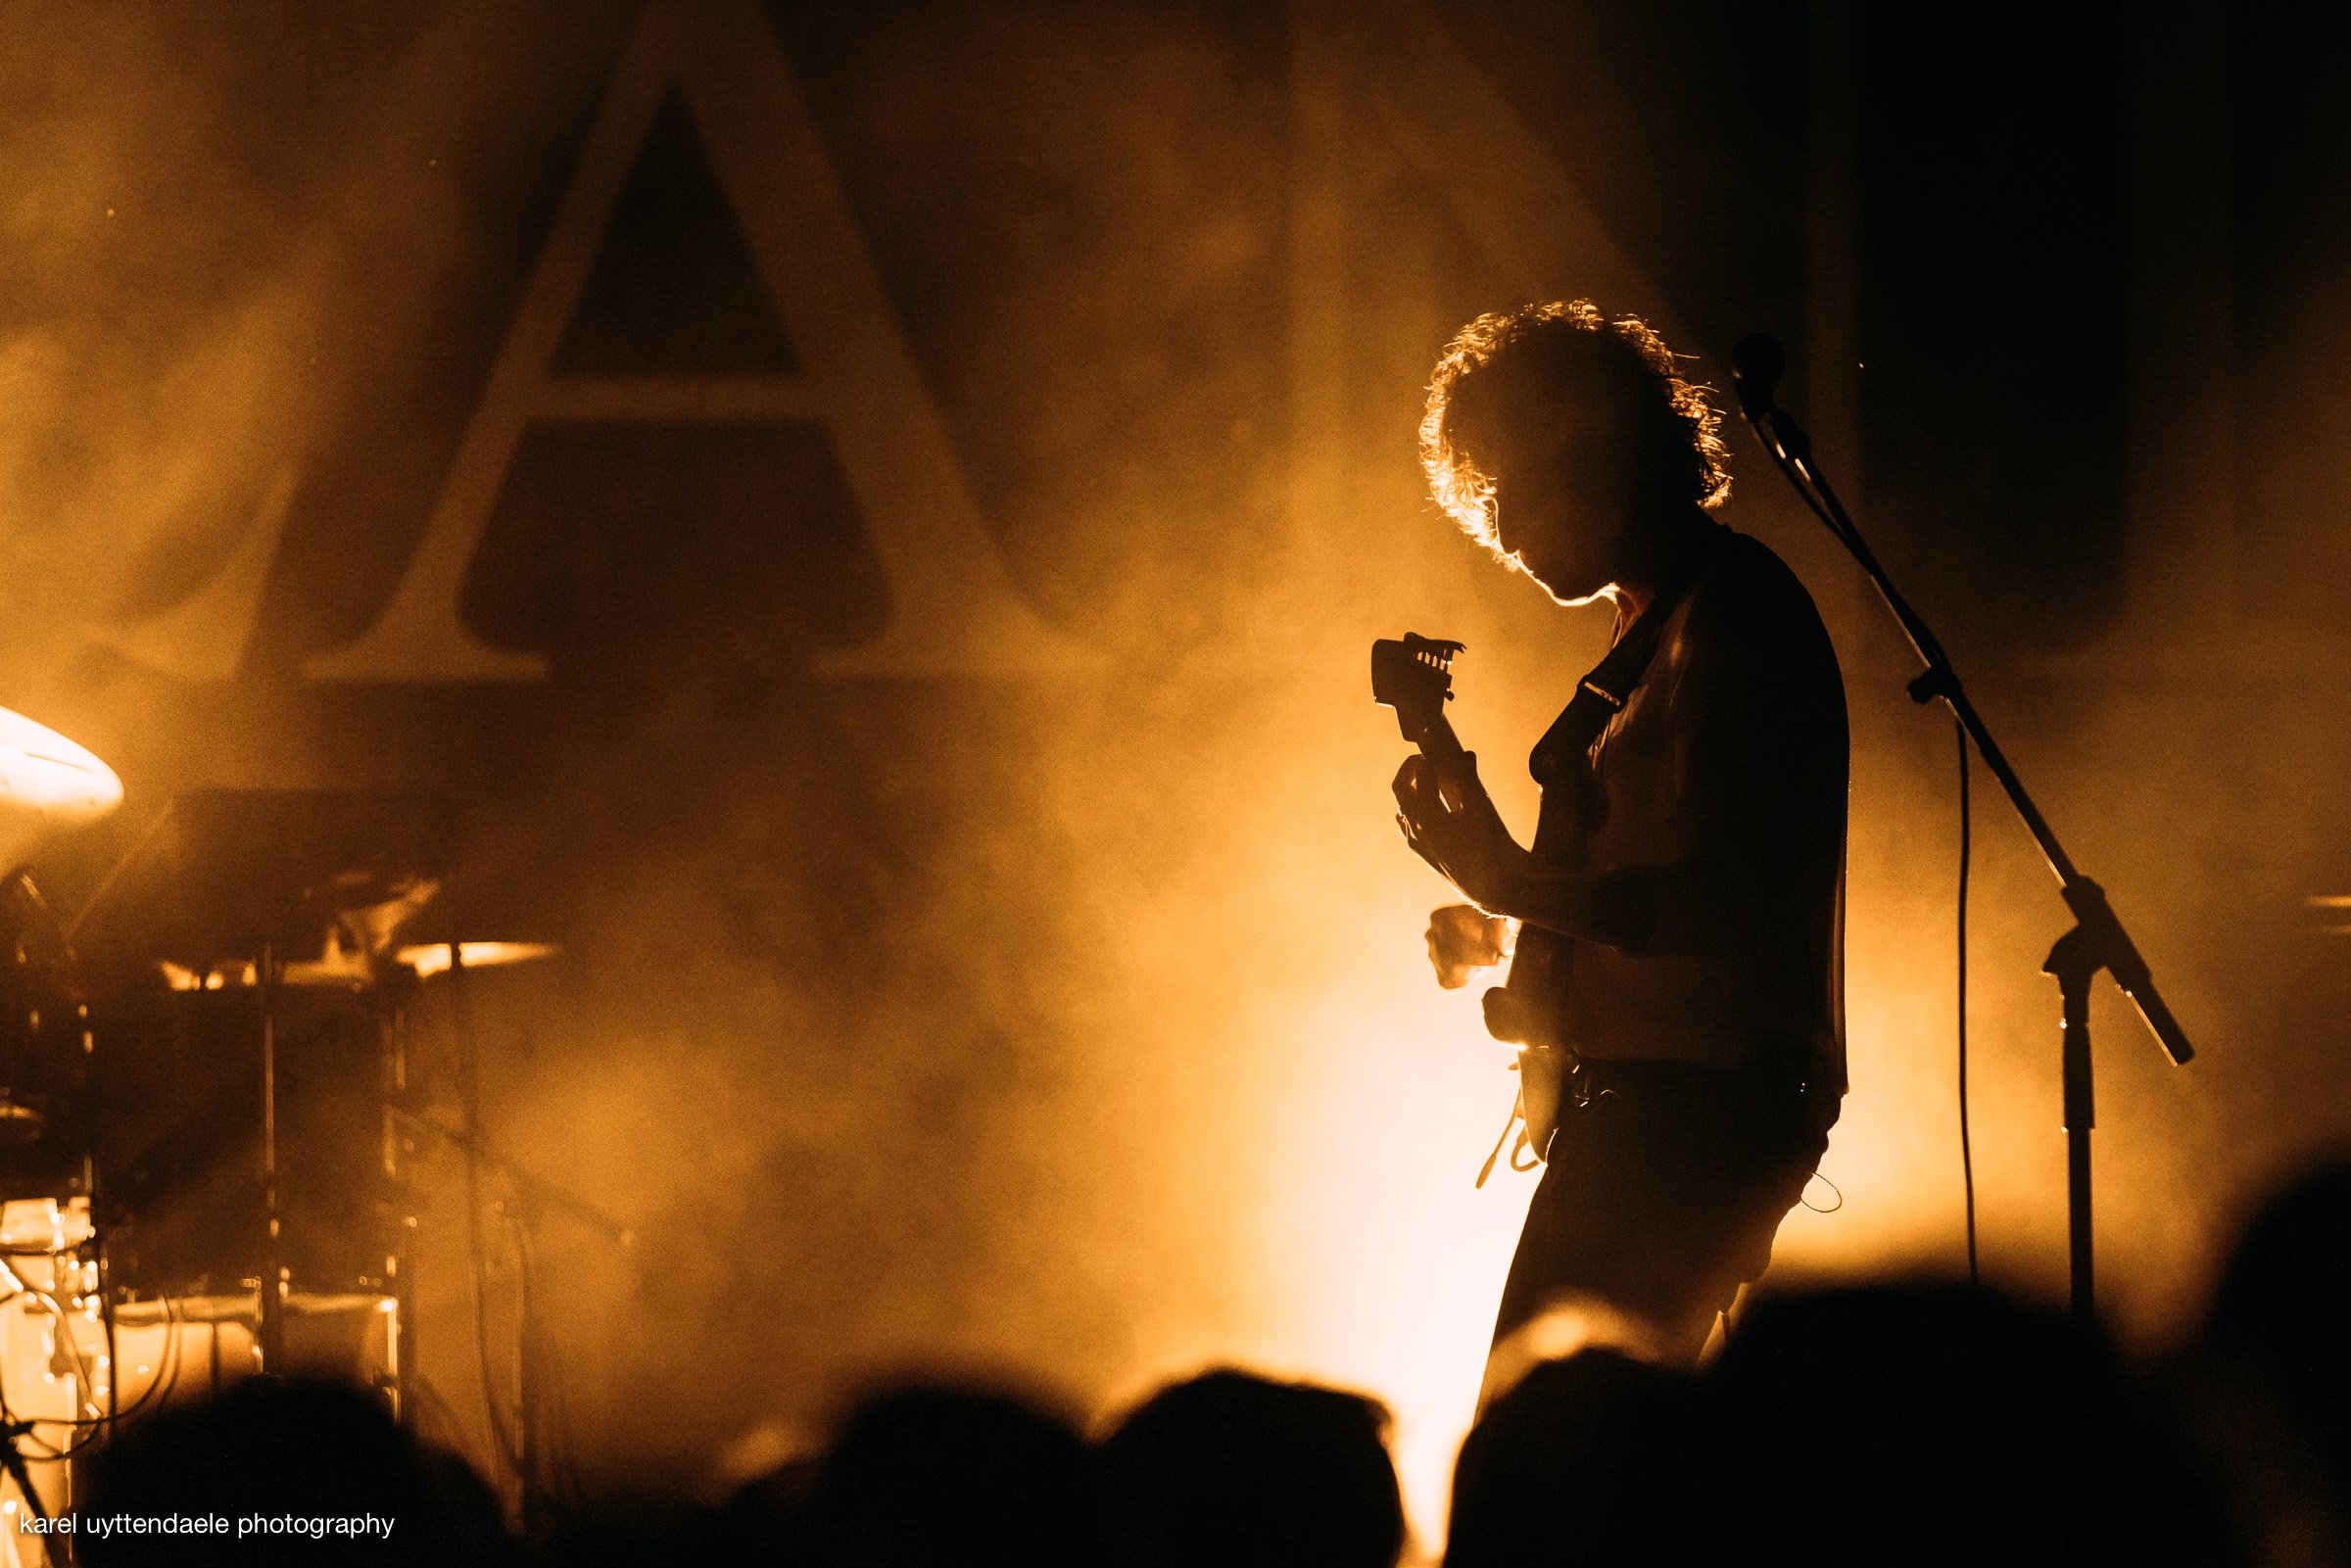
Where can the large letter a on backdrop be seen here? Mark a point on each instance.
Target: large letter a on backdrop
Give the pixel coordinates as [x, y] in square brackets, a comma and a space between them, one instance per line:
[953, 610]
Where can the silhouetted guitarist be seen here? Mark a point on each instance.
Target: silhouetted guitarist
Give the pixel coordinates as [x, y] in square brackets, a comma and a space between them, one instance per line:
[1677, 971]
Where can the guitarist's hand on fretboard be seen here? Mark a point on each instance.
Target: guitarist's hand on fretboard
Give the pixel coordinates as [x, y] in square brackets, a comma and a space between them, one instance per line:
[1451, 822]
[1464, 940]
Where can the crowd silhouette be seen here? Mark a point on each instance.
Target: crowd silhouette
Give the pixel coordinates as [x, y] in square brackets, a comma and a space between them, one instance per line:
[1918, 1423]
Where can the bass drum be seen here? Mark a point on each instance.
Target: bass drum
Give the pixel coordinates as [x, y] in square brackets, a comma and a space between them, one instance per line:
[44, 1051]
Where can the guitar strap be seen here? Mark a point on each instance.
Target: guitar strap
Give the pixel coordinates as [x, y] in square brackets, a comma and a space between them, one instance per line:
[1609, 684]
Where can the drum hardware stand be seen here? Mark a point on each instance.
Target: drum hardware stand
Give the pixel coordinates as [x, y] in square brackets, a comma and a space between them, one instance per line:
[2097, 940]
[272, 1338]
[400, 1198]
[530, 1196]
[13, 1432]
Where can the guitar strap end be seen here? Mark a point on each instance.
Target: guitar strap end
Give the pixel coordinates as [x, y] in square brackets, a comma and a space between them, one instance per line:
[1516, 1123]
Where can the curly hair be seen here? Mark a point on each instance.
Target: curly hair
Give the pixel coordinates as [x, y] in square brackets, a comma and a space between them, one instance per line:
[1508, 366]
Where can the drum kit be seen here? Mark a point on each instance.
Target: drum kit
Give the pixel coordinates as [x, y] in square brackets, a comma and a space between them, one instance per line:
[207, 1124]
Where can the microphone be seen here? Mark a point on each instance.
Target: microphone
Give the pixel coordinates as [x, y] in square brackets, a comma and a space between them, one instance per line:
[1757, 362]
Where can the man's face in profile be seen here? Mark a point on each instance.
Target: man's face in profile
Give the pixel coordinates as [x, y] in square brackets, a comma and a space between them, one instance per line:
[1566, 482]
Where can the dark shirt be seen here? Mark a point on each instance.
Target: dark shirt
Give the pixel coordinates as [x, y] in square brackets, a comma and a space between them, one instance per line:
[1716, 801]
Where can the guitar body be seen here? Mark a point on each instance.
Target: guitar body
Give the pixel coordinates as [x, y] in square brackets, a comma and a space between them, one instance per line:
[1523, 1012]
[1542, 1095]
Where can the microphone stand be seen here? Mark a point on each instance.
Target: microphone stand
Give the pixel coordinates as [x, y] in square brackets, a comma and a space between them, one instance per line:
[2096, 940]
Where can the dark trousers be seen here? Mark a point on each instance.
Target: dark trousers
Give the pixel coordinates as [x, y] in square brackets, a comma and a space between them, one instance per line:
[1663, 1190]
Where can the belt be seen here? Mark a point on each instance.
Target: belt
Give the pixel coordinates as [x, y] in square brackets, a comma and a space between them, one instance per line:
[1769, 1079]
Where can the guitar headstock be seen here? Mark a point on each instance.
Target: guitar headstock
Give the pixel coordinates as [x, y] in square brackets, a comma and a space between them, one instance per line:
[1415, 677]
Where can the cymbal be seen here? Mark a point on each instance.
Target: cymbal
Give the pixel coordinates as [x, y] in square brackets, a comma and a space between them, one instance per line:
[335, 972]
[340, 968]
[43, 771]
[18, 1122]
[432, 958]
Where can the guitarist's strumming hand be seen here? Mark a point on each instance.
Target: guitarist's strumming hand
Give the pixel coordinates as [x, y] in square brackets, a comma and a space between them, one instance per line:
[1451, 822]
[1463, 940]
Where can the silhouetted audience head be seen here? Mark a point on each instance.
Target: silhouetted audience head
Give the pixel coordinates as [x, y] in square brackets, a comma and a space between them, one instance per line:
[2270, 1383]
[1939, 1425]
[1920, 1425]
[950, 1477]
[296, 1456]
[2284, 1312]
[1238, 1471]
[1573, 1465]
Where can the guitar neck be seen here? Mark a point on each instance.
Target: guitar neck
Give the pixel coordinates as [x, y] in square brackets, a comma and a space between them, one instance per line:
[1435, 738]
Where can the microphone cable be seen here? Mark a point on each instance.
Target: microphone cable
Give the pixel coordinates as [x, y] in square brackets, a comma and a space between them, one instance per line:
[1967, 1157]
